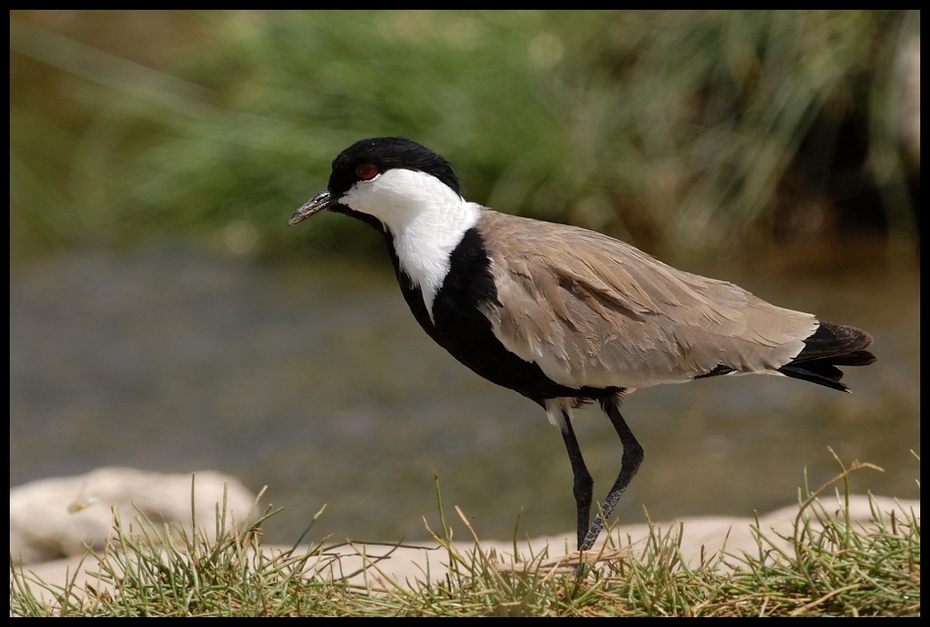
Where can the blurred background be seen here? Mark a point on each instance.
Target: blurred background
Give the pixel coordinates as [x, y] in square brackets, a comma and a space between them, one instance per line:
[162, 315]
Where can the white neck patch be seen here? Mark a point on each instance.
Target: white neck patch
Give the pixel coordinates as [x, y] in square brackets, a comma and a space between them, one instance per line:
[426, 218]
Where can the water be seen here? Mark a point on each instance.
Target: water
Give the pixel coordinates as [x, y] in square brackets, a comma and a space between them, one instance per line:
[315, 380]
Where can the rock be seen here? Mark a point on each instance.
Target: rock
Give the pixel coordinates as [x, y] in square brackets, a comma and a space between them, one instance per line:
[56, 518]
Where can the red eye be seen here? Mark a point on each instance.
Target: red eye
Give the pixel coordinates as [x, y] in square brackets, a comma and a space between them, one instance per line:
[366, 171]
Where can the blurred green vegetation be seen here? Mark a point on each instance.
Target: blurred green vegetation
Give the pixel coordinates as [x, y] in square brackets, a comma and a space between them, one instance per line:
[686, 133]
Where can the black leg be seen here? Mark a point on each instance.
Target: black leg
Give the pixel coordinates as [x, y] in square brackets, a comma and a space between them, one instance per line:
[583, 484]
[632, 458]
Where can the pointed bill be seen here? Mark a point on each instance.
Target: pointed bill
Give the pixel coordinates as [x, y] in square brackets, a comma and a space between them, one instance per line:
[316, 204]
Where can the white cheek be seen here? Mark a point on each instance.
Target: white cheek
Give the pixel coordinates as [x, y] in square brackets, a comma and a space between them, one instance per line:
[397, 197]
[426, 218]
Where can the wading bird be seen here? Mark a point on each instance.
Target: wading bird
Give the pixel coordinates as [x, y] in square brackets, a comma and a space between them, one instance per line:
[561, 314]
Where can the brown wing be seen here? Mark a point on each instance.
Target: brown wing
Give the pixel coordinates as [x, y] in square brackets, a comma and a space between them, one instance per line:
[591, 310]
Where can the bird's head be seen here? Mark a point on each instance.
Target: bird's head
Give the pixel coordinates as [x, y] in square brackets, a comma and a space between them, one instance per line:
[388, 178]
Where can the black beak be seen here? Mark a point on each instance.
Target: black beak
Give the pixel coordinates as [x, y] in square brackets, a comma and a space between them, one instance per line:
[318, 203]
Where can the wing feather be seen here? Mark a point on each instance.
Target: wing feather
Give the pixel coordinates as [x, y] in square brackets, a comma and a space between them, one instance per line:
[594, 311]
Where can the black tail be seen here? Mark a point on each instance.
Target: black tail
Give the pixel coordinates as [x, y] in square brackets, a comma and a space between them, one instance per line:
[830, 346]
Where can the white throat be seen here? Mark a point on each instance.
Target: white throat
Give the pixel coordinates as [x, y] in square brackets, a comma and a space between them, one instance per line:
[426, 218]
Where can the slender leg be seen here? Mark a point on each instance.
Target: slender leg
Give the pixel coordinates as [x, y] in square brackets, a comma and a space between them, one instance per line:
[632, 458]
[583, 484]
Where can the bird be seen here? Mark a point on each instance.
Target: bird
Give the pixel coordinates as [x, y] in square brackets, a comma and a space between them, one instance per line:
[564, 315]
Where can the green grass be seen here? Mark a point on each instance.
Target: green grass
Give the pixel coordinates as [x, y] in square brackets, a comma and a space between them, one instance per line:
[831, 567]
[706, 132]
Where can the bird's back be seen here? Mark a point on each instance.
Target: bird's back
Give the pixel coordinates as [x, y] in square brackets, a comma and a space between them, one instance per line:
[594, 311]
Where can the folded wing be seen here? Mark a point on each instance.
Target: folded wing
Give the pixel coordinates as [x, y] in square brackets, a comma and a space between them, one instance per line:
[594, 311]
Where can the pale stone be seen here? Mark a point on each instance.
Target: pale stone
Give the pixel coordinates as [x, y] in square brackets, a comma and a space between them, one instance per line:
[58, 517]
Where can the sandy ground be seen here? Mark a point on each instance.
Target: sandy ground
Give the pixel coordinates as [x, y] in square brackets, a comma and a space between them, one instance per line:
[385, 566]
